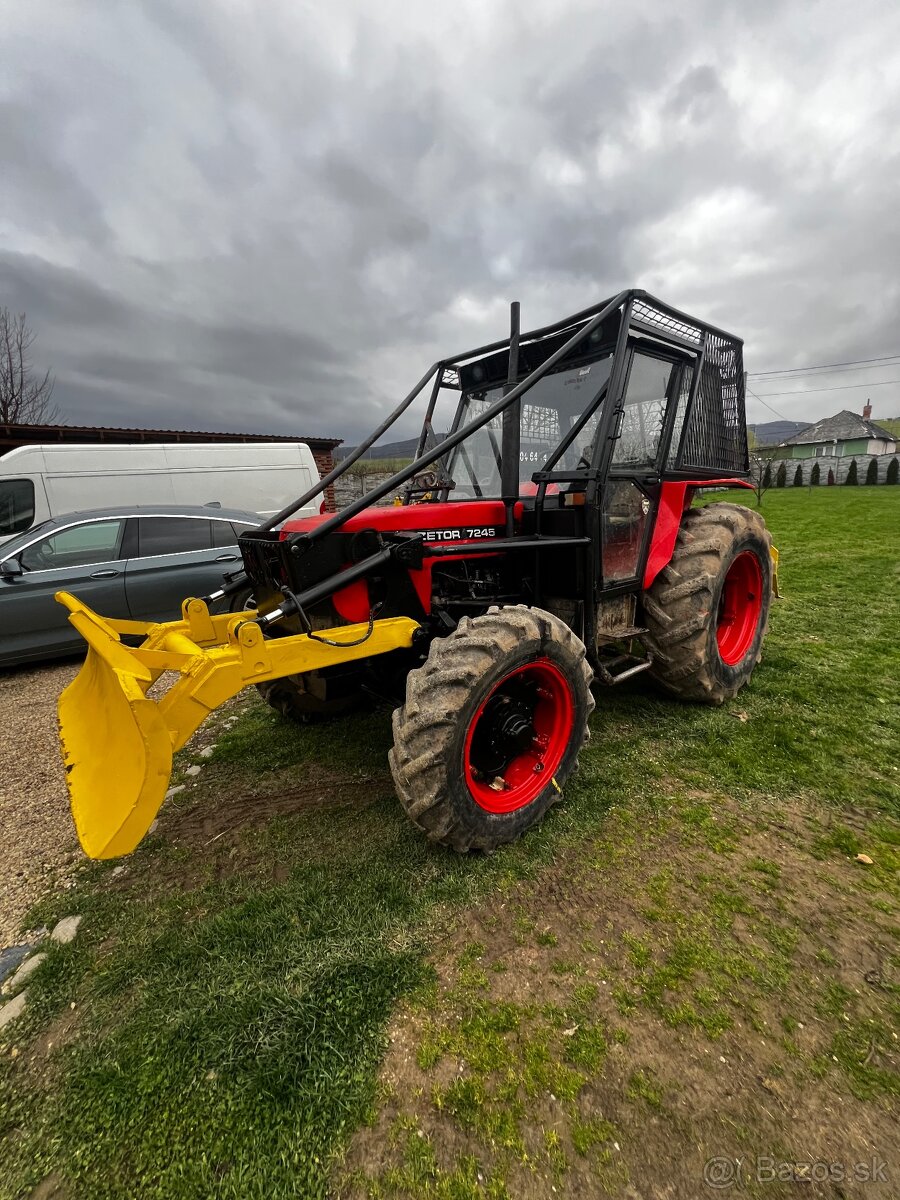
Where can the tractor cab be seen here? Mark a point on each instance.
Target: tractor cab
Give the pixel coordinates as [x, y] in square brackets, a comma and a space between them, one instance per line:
[566, 444]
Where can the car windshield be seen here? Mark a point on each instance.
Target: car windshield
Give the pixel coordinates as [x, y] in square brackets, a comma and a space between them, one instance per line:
[550, 409]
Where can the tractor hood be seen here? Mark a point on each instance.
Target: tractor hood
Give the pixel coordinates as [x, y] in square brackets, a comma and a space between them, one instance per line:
[456, 520]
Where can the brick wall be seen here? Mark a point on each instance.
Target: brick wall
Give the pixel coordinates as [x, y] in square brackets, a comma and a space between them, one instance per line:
[351, 486]
[325, 463]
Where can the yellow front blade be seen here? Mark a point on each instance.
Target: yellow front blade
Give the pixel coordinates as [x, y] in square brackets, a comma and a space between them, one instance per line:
[118, 756]
[118, 744]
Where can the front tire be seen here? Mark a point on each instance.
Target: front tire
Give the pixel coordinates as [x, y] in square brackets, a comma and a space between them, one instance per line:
[708, 610]
[492, 727]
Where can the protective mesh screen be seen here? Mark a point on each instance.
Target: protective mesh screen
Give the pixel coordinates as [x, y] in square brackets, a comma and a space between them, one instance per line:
[716, 435]
[648, 314]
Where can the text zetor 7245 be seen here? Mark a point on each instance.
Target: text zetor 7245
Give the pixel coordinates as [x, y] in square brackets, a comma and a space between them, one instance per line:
[547, 542]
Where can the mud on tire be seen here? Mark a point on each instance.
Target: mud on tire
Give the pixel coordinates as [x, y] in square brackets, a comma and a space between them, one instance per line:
[512, 660]
[721, 560]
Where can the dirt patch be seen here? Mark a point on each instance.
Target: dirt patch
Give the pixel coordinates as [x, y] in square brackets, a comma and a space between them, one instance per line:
[42, 1054]
[703, 992]
[199, 823]
[211, 832]
[51, 1187]
[40, 849]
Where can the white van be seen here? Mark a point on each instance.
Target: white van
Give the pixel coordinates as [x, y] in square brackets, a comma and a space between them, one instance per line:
[37, 482]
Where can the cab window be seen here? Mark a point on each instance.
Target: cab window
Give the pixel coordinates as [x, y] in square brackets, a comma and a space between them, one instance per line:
[550, 409]
[16, 506]
[77, 546]
[644, 411]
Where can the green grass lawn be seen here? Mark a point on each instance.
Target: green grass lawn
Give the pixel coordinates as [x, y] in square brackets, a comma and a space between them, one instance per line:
[288, 993]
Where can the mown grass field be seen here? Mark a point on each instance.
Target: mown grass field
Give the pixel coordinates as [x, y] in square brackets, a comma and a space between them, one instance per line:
[288, 993]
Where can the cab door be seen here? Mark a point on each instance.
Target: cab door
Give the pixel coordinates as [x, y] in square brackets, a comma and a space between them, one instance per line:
[656, 383]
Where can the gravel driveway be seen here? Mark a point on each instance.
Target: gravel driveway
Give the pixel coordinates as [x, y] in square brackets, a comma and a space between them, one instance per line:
[37, 839]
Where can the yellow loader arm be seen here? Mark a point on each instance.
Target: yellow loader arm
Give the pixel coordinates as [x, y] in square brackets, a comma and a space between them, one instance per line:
[118, 743]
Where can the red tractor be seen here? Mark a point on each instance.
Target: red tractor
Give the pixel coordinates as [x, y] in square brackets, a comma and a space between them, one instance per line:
[548, 541]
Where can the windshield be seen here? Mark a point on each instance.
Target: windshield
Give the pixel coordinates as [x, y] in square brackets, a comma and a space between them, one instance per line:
[16, 505]
[11, 547]
[550, 409]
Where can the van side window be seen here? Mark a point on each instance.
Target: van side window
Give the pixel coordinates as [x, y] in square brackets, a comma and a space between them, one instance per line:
[16, 506]
[172, 535]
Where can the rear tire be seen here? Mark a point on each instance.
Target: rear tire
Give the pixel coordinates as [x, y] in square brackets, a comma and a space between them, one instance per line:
[492, 727]
[707, 611]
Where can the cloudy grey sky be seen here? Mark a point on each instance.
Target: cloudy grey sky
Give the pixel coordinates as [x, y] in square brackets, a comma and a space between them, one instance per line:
[272, 217]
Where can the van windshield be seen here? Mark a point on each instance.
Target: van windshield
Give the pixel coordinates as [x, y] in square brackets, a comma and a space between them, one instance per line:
[11, 548]
[16, 505]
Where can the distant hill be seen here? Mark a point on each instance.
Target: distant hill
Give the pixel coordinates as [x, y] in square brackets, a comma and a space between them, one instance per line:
[406, 449]
[770, 433]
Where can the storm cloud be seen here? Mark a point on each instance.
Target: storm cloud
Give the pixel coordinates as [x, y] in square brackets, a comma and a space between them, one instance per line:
[271, 218]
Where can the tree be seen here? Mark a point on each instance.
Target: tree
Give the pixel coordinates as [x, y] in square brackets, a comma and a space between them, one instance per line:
[852, 475]
[814, 475]
[830, 477]
[760, 476]
[893, 471]
[798, 476]
[872, 472]
[781, 477]
[25, 396]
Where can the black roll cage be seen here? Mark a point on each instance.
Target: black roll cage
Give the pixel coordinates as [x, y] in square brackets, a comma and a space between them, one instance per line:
[668, 326]
[712, 445]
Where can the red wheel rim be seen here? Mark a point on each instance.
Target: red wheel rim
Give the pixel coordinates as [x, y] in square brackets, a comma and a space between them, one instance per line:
[739, 608]
[518, 737]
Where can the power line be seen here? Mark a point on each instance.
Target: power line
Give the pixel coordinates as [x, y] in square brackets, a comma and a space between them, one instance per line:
[856, 362]
[830, 371]
[769, 406]
[846, 387]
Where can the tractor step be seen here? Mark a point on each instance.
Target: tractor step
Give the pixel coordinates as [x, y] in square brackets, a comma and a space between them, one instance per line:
[608, 675]
[620, 635]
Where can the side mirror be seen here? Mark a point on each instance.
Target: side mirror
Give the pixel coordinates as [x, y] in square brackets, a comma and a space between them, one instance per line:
[10, 568]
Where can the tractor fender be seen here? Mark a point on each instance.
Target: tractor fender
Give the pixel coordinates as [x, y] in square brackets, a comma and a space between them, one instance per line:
[674, 497]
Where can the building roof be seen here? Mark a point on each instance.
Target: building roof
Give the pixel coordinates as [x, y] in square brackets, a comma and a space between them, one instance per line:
[841, 427]
[12, 436]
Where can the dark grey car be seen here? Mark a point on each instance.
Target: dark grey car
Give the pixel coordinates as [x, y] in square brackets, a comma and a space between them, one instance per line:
[133, 563]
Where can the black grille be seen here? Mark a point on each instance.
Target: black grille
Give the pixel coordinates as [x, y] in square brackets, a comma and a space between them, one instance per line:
[653, 318]
[716, 435]
[264, 557]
